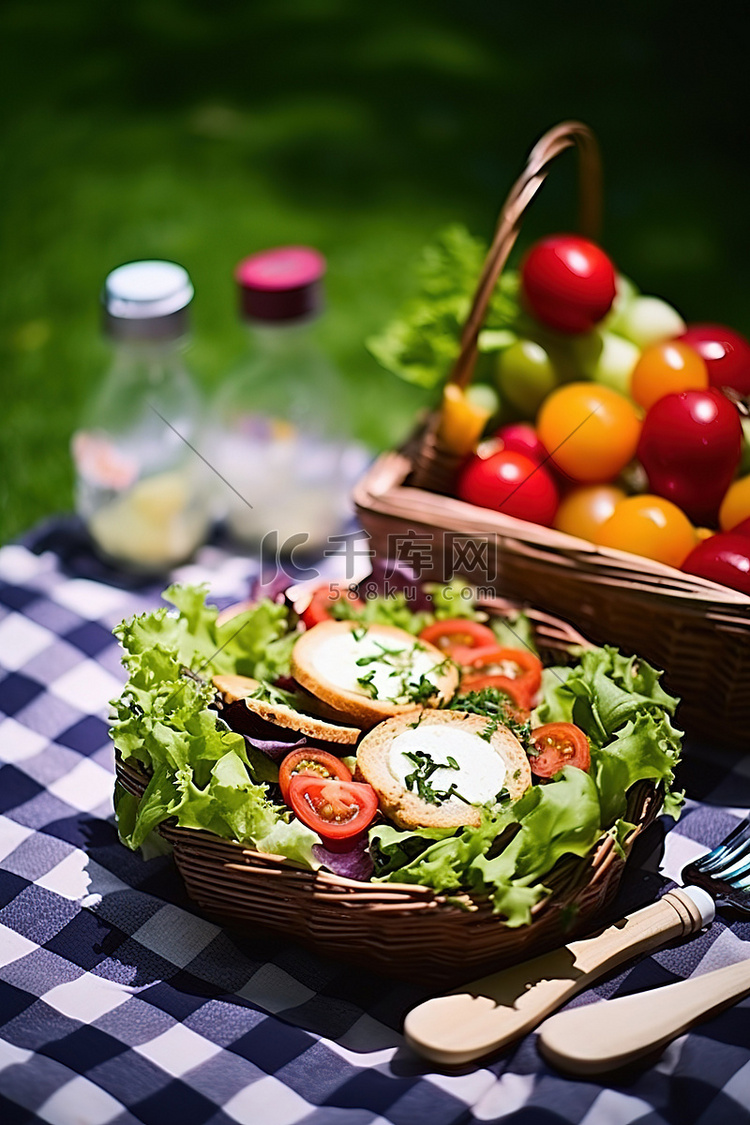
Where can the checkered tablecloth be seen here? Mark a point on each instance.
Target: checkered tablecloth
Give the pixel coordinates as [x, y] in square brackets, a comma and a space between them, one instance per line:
[119, 1003]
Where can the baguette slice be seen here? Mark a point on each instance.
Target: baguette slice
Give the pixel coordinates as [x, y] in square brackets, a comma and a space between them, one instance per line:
[329, 660]
[486, 765]
[238, 689]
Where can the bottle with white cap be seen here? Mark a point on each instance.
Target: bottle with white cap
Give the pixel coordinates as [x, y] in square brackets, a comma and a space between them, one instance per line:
[141, 488]
[282, 424]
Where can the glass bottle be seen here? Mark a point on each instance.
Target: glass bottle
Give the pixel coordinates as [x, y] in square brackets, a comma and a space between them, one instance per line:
[282, 422]
[141, 489]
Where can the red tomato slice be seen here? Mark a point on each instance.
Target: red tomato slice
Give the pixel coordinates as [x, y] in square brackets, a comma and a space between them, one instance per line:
[516, 666]
[336, 810]
[312, 762]
[322, 602]
[558, 745]
[457, 636]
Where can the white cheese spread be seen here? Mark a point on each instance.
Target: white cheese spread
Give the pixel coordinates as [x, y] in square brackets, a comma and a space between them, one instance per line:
[481, 771]
[377, 666]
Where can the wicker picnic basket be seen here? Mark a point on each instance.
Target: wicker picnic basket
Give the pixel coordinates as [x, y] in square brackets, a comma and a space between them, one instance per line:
[698, 631]
[401, 930]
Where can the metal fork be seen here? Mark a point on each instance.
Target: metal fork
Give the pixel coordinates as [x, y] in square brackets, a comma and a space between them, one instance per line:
[725, 871]
[486, 1015]
[611, 1034]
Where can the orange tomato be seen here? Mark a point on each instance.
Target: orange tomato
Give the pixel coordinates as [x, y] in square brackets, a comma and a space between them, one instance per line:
[584, 510]
[591, 431]
[735, 507]
[665, 369]
[649, 526]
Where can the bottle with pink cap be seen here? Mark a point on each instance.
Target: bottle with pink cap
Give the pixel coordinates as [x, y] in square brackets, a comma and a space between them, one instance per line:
[282, 444]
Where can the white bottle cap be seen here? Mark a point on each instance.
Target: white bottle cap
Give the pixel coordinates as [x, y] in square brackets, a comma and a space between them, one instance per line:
[147, 290]
[703, 901]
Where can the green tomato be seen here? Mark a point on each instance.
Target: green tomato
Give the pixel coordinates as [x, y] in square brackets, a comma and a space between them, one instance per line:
[647, 320]
[525, 376]
[626, 293]
[616, 362]
[573, 357]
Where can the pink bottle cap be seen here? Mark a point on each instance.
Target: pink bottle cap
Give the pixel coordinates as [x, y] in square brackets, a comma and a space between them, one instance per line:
[281, 284]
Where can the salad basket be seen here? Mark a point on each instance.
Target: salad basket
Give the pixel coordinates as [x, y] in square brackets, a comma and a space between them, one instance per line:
[401, 930]
[697, 630]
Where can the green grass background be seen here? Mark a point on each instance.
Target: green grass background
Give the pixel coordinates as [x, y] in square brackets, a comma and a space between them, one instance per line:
[202, 132]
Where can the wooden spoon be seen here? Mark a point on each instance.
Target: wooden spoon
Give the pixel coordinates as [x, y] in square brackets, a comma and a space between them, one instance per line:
[613, 1033]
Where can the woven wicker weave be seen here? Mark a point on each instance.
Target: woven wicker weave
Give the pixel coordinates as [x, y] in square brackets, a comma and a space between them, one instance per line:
[698, 631]
[398, 929]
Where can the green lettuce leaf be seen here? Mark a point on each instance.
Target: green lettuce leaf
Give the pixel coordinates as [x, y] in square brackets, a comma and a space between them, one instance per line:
[601, 693]
[505, 857]
[202, 773]
[422, 342]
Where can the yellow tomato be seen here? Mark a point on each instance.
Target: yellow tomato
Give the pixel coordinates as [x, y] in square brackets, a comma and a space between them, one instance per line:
[735, 507]
[584, 510]
[591, 432]
[664, 369]
[649, 526]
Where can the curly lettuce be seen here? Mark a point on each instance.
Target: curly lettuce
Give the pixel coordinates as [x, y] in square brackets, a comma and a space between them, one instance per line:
[202, 773]
[422, 342]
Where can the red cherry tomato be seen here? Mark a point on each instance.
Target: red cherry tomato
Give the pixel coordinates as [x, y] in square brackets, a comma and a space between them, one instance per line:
[690, 447]
[337, 810]
[558, 745]
[515, 670]
[726, 354]
[568, 283]
[457, 635]
[521, 437]
[510, 483]
[724, 558]
[322, 602]
[742, 529]
[316, 763]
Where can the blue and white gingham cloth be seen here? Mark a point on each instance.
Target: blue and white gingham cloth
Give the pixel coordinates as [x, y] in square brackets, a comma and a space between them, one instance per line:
[119, 1003]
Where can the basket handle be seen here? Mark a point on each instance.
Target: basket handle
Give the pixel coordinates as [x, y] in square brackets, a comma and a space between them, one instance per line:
[568, 134]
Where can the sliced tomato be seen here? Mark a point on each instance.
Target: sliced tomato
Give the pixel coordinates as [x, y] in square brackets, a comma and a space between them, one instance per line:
[498, 667]
[558, 745]
[322, 602]
[457, 636]
[316, 763]
[337, 810]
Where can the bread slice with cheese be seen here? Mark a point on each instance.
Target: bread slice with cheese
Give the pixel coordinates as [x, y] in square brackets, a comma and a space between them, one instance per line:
[435, 769]
[238, 695]
[370, 672]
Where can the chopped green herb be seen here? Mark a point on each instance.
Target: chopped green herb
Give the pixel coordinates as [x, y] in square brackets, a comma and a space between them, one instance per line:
[267, 693]
[422, 691]
[419, 780]
[499, 709]
[366, 683]
[383, 655]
